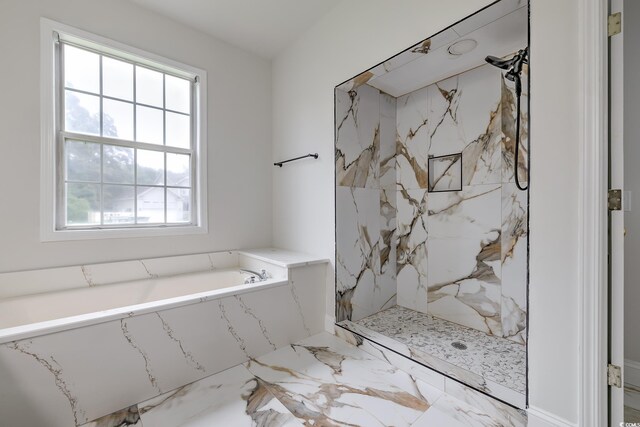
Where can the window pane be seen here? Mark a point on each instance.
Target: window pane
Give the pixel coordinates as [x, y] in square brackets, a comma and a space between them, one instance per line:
[178, 130]
[83, 204]
[118, 204]
[149, 125]
[82, 161]
[118, 165]
[149, 87]
[82, 113]
[150, 167]
[117, 119]
[178, 205]
[178, 170]
[150, 204]
[81, 69]
[117, 78]
[178, 94]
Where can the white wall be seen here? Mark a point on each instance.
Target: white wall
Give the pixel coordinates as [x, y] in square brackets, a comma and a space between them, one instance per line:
[360, 33]
[632, 179]
[239, 126]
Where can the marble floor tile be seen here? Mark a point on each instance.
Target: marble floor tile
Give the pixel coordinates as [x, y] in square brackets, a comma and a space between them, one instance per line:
[126, 417]
[496, 359]
[631, 415]
[230, 398]
[450, 412]
[323, 380]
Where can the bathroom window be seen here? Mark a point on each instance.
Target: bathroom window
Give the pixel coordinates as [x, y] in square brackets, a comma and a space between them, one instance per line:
[125, 155]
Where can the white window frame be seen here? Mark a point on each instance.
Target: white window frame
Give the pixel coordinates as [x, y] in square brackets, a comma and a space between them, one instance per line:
[51, 33]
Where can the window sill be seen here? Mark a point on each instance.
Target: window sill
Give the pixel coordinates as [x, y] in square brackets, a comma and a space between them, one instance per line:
[120, 233]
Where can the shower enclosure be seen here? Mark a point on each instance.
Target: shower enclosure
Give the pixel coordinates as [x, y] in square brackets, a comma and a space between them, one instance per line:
[431, 220]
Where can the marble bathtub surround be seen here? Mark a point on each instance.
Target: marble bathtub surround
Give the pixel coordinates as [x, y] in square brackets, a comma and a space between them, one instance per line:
[144, 355]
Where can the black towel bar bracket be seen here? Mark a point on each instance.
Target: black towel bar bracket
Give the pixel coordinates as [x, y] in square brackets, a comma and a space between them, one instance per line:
[314, 155]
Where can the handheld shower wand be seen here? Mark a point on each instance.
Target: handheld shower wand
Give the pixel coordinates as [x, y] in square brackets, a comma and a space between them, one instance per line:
[514, 69]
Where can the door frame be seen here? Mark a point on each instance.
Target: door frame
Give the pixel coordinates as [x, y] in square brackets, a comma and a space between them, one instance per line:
[593, 274]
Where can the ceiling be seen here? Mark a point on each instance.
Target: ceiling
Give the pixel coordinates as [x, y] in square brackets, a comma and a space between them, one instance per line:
[499, 30]
[500, 38]
[259, 26]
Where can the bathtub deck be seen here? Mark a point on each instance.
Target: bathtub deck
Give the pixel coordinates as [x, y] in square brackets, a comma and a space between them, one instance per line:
[496, 359]
[319, 381]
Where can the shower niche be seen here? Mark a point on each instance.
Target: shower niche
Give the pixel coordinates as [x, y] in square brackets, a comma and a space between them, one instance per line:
[431, 223]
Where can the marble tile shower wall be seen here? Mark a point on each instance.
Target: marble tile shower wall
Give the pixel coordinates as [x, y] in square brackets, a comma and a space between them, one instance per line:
[459, 255]
[365, 201]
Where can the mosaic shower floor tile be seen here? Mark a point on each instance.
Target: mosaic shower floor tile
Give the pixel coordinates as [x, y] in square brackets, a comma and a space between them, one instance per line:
[496, 359]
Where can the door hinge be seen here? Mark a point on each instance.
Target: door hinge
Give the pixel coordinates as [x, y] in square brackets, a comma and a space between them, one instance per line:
[614, 24]
[614, 200]
[614, 376]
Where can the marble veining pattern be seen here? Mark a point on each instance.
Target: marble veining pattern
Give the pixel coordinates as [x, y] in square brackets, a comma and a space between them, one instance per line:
[445, 173]
[496, 359]
[142, 355]
[412, 147]
[127, 417]
[145, 357]
[53, 367]
[324, 381]
[412, 249]
[321, 381]
[508, 124]
[188, 356]
[366, 203]
[358, 137]
[232, 397]
[460, 255]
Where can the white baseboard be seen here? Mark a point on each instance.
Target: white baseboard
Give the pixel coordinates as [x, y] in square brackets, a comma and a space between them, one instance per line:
[541, 418]
[631, 376]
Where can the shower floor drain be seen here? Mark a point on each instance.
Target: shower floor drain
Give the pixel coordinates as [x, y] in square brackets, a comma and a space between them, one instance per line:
[459, 345]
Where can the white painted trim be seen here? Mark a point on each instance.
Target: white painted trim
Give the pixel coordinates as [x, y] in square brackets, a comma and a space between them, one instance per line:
[48, 160]
[593, 222]
[631, 372]
[540, 418]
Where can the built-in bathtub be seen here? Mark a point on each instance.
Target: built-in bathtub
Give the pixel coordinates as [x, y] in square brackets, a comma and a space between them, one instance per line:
[98, 338]
[31, 315]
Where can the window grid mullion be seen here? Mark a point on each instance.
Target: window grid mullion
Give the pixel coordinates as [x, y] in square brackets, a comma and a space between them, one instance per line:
[101, 145]
[193, 158]
[135, 108]
[135, 186]
[101, 184]
[125, 143]
[164, 139]
[128, 60]
[63, 136]
[59, 156]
